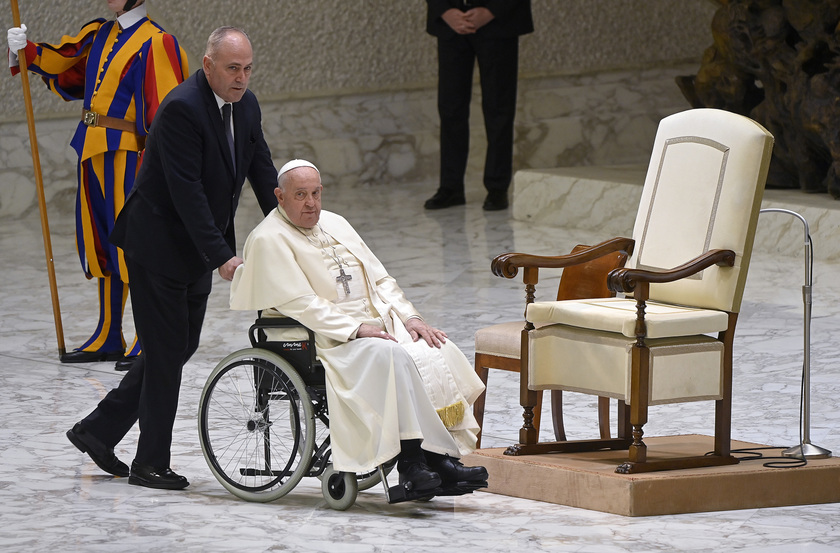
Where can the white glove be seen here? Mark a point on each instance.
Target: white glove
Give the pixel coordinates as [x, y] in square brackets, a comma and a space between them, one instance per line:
[16, 37]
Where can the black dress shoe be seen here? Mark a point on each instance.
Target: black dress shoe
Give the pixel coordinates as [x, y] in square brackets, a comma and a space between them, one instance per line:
[495, 201]
[124, 363]
[103, 456]
[90, 356]
[161, 479]
[455, 474]
[419, 477]
[443, 200]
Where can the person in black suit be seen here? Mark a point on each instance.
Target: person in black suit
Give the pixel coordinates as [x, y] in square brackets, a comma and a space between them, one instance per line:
[486, 30]
[176, 228]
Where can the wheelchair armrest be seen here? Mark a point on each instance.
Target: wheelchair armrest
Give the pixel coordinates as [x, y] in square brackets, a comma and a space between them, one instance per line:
[256, 336]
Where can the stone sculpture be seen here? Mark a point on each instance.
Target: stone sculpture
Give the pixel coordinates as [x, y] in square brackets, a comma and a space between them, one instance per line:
[778, 62]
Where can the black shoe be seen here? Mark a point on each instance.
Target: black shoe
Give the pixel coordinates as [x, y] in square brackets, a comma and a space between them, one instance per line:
[443, 200]
[455, 474]
[90, 356]
[103, 456]
[161, 479]
[419, 477]
[124, 363]
[495, 201]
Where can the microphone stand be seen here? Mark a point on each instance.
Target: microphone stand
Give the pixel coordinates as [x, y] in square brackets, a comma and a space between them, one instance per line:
[805, 449]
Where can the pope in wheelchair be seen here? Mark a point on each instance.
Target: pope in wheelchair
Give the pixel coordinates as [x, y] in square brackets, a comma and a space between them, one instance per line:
[397, 388]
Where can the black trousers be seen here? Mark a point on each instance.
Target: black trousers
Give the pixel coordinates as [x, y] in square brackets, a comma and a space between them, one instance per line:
[411, 453]
[168, 315]
[498, 66]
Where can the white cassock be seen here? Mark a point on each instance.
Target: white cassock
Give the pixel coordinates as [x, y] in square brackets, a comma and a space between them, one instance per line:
[379, 392]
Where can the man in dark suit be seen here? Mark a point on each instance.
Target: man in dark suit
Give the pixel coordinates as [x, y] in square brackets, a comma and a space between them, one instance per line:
[486, 30]
[176, 228]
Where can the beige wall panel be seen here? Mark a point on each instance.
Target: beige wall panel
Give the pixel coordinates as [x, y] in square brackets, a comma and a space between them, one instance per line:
[326, 47]
[352, 86]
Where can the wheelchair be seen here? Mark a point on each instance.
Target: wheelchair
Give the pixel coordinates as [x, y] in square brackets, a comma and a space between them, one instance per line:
[263, 423]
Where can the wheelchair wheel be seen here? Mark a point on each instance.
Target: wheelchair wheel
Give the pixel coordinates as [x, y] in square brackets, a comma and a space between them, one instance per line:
[256, 425]
[339, 488]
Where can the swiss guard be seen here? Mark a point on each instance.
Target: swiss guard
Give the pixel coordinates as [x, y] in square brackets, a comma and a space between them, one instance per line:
[121, 68]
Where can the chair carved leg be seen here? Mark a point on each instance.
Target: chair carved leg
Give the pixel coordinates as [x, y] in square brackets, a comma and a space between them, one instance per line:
[535, 422]
[638, 449]
[604, 417]
[483, 363]
[639, 386]
[723, 407]
[478, 406]
[624, 429]
[557, 415]
[530, 431]
[528, 434]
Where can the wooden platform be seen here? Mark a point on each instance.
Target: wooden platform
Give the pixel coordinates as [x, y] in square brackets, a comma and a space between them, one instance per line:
[588, 480]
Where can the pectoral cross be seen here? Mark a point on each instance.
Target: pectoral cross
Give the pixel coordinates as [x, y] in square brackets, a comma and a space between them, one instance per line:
[343, 278]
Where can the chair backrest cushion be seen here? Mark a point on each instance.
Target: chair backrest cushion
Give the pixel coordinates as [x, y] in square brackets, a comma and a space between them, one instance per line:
[703, 191]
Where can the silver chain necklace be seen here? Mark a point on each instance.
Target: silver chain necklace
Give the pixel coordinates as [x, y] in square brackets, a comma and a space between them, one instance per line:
[342, 277]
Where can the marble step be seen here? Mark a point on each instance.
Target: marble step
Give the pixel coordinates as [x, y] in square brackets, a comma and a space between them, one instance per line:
[605, 199]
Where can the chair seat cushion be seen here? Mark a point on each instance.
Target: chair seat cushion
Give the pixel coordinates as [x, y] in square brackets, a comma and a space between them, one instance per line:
[619, 315]
[501, 340]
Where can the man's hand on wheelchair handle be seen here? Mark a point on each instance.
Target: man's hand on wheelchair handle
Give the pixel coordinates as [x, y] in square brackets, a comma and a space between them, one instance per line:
[226, 271]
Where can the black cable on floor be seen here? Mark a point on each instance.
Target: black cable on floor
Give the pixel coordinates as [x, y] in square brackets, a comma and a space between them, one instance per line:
[780, 462]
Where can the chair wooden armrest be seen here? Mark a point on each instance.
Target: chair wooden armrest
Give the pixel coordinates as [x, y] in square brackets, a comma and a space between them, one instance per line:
[626, 279]
[507, 264]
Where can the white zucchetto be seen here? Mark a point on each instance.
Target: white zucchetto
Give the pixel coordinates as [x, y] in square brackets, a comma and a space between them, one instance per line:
[294, 164]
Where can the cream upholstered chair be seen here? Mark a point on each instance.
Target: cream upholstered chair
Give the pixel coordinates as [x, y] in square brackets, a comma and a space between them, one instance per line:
[670, 340]
[499, 346]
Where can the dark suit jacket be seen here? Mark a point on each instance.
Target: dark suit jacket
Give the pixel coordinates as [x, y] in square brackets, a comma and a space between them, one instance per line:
[511, 17]
[178, 218]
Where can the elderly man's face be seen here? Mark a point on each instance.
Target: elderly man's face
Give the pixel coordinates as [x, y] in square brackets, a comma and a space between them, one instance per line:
[300, 198]
[229, 70]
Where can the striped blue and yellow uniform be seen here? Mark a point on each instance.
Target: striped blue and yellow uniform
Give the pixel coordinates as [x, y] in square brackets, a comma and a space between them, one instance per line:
[119, 73]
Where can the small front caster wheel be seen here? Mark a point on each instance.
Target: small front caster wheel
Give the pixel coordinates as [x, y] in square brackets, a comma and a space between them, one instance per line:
[339, 488]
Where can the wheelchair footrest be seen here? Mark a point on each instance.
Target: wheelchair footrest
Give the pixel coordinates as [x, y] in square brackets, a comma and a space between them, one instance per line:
[398, 494]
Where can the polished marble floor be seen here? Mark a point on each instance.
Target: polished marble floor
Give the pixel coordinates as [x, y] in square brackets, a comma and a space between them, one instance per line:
[53, 498]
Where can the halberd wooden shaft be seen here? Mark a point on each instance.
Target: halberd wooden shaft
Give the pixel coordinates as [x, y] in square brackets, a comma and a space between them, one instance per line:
[39, 185]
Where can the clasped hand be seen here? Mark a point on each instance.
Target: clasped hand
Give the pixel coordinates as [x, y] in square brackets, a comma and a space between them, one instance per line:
[468, 22]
